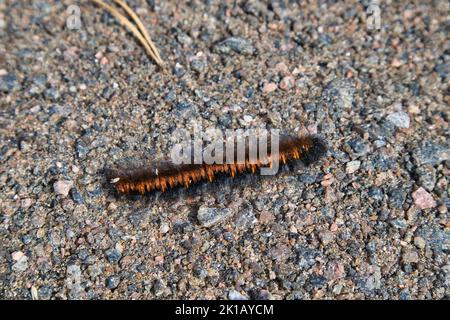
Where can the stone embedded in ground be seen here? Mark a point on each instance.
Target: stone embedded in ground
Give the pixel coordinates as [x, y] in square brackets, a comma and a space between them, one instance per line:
[164, 228]
[423, 199]
[352, 166]
[326, 237]
[9, 83]
[287, 83]
[269, 87]
[21, 261]
[419, 242]
[236, 295]
[113, 255]
[112, 282]
[282, 68]
[62, 187]
[410, 256]
[338, 95]
[234, 44]
[208, 216]
[426, 176]
[399, 119]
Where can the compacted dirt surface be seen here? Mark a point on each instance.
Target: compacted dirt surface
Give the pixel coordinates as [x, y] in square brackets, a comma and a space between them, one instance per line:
[368, 221]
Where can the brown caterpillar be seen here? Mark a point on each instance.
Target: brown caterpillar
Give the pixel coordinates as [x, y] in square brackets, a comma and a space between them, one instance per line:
[164, 175]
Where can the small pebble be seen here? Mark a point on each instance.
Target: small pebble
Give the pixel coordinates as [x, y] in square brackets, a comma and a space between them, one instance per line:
[208, 216]
[62, 187]
[248, 118]
[26, 203]
[282, 68]
[17, 255]
[234, 44]
[164, 228]
[352, 166]
[113, 255]
[236, 295]
[198, 65]
[9, 83]
[269, 87]
[419, 242]
[326, 237]
[112, 282]
[410, 256]
[396, 63]
[21, 261]
[75, 169]
[399, 119]
[423, 199]
[287, 83]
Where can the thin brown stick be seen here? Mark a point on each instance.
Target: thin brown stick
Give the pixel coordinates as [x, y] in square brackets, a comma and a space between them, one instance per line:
[125, 22]
[140, 26]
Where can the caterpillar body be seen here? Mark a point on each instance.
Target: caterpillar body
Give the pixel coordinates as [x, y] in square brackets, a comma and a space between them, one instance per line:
[166, 175]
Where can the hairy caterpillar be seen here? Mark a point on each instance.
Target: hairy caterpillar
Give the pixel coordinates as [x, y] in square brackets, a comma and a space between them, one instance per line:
[164, 175]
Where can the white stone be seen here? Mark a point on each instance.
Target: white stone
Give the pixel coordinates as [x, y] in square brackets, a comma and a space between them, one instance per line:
[17, 255]
[164, 228]
[399, 119]
[235, 295]
[353, 166]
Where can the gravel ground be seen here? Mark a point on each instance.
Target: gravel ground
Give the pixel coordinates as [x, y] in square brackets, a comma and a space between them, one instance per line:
[370, 221]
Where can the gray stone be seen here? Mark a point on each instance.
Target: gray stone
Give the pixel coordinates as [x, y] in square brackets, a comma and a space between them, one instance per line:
[431, 153]
[21, 263]
[359, 146]
[9, 83]
[352, 166]
[234, 44]
[208, 216]
[245, 217]
[326, 237]
[426, 176]
[410, 256]
[400, 119]
[236, 295]
[113, 255]
[108, 92]
[397, 198]
[112, 282]
[399, 223]
[376, 193]
[338, 96]
[198, 65]
[158, 287]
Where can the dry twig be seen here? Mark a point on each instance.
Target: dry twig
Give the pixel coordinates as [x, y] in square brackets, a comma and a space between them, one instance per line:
[141, 34]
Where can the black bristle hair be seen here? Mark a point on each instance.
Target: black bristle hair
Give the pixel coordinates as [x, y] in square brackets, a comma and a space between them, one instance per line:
[317, 150]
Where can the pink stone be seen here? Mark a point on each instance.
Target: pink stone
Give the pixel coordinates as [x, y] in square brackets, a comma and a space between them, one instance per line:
[327, 182]
[423, 199]
[312, 128]
[269, 87]
[396, 63]
[266, 217]
[104, 61]
[335, 270]
[98, 55]
[287, 83]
